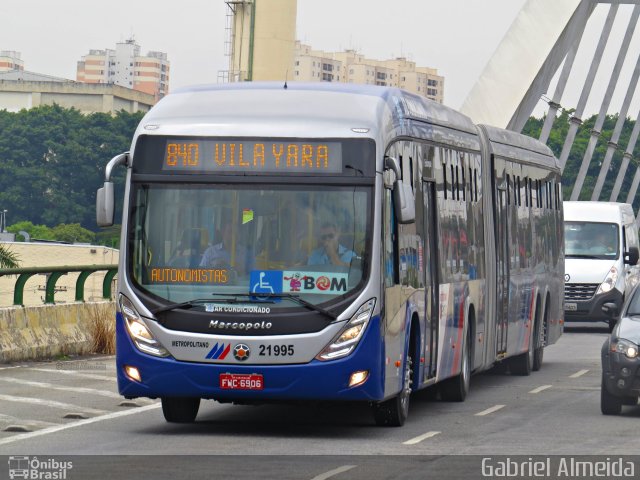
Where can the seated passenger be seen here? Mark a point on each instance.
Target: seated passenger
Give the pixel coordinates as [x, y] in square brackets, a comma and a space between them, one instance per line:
[187, 253]
[220, 255]
[602, 244]
[330, 252]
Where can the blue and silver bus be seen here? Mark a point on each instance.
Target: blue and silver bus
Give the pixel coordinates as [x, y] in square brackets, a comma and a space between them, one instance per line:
[329, 242]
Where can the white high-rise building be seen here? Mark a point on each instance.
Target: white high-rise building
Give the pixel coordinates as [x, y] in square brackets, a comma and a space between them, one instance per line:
[125, 66]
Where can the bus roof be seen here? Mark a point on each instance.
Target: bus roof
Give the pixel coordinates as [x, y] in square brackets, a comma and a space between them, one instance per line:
[297, 109]
[507, 143]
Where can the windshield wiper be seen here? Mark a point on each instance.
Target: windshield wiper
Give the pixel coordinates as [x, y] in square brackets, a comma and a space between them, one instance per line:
[253, 297]
[297, 299]
[260, 298]
[576, 255]
[191, 304]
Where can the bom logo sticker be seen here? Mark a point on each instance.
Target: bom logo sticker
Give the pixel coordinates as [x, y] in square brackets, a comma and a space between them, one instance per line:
[298, 281]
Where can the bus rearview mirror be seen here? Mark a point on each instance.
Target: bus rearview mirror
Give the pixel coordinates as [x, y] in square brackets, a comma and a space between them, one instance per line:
[404, 203]
[105, 205]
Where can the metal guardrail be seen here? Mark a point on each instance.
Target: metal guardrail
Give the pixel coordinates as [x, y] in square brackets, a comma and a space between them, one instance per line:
[55, 273]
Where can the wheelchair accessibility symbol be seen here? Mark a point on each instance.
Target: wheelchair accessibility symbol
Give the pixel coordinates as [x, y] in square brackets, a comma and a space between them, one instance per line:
[268, 282]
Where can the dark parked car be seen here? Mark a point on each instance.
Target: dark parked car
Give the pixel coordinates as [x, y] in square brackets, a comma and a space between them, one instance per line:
[621, 357]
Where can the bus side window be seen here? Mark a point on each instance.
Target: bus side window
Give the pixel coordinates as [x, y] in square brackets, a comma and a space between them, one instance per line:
[389, 241]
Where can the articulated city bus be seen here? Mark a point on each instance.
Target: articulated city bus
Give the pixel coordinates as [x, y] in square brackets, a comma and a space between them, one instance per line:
[329, 242]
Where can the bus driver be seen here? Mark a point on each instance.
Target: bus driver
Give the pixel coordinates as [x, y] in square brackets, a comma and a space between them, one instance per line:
[330, 252]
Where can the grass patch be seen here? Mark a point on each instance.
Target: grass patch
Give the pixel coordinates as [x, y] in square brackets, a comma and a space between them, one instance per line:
[103, 329]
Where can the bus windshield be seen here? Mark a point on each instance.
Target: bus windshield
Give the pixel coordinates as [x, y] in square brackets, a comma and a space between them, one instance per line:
[591, 240]
[223, 243]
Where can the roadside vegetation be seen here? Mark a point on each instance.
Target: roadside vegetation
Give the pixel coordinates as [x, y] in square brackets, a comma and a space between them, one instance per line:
[8, 259]
[103, 329]
[52, 161]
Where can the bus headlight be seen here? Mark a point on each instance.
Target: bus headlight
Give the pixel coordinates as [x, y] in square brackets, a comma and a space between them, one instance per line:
[344, 343]
[625, 347]
[609, 282]
[138, 331]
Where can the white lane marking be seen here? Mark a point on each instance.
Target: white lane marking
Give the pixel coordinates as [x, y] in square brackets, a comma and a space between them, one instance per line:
[50, 403]
[9, 419]
[51, 386]
[420, 438]
[46, 431]
[76, 374]
[495, 408]
[9, 368]
[540, 389]
[578, 374]
[331, 473]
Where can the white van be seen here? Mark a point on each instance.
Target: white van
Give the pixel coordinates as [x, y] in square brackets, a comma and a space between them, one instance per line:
[601, 256]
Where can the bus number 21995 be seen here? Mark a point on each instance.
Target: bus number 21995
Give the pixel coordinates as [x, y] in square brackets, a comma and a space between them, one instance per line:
[276, 350]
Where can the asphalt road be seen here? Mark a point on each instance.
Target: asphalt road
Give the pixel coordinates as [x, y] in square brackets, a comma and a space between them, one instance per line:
[555, 411]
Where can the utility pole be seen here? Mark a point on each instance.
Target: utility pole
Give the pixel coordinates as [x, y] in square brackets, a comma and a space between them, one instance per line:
[3, 222]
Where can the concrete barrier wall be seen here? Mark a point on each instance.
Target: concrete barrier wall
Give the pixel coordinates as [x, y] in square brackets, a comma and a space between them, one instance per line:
[49, 331]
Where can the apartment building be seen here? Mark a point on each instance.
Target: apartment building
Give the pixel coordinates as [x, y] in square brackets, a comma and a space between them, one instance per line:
[10, 60]
[125, 66]
[351, 67]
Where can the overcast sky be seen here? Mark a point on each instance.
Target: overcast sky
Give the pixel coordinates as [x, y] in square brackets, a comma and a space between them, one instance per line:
[457, 37]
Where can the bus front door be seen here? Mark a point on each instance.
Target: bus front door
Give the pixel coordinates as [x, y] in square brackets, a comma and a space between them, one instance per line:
[432, 281]
[502, 251]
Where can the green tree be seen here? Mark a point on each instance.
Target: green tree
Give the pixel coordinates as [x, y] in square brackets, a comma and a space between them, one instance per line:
[36, 232]
[52, 161]
[109, 236]
[579, 148]
[73, 233]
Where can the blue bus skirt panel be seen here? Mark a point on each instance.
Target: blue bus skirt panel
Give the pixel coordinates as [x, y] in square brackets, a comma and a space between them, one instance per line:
[168, 377]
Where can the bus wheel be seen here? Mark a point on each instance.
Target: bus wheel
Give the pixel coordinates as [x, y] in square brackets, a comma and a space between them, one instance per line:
[180, 409]
[609, 404]
[455, 389]
[394, 412]
[538, 351]
[522, 364]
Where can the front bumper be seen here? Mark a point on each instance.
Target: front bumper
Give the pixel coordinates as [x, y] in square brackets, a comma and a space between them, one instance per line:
[168, 377]
[620, 374]
[591, 310]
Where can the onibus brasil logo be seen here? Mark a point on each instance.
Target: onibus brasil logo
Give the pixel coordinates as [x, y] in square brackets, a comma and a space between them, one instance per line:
[33, 468]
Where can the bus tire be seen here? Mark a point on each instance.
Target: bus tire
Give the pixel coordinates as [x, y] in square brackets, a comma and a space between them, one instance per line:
[541, 338]
[180, 409]
[394, 412]
[523, 364]
[538, 355]
[456, 389]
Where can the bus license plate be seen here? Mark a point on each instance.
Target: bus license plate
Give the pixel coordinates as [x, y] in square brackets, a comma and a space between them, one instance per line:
[571, 307]
[231, 381]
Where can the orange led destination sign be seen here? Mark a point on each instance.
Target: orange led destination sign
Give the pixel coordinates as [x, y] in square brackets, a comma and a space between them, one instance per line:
[212, 156]
[187, 275]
